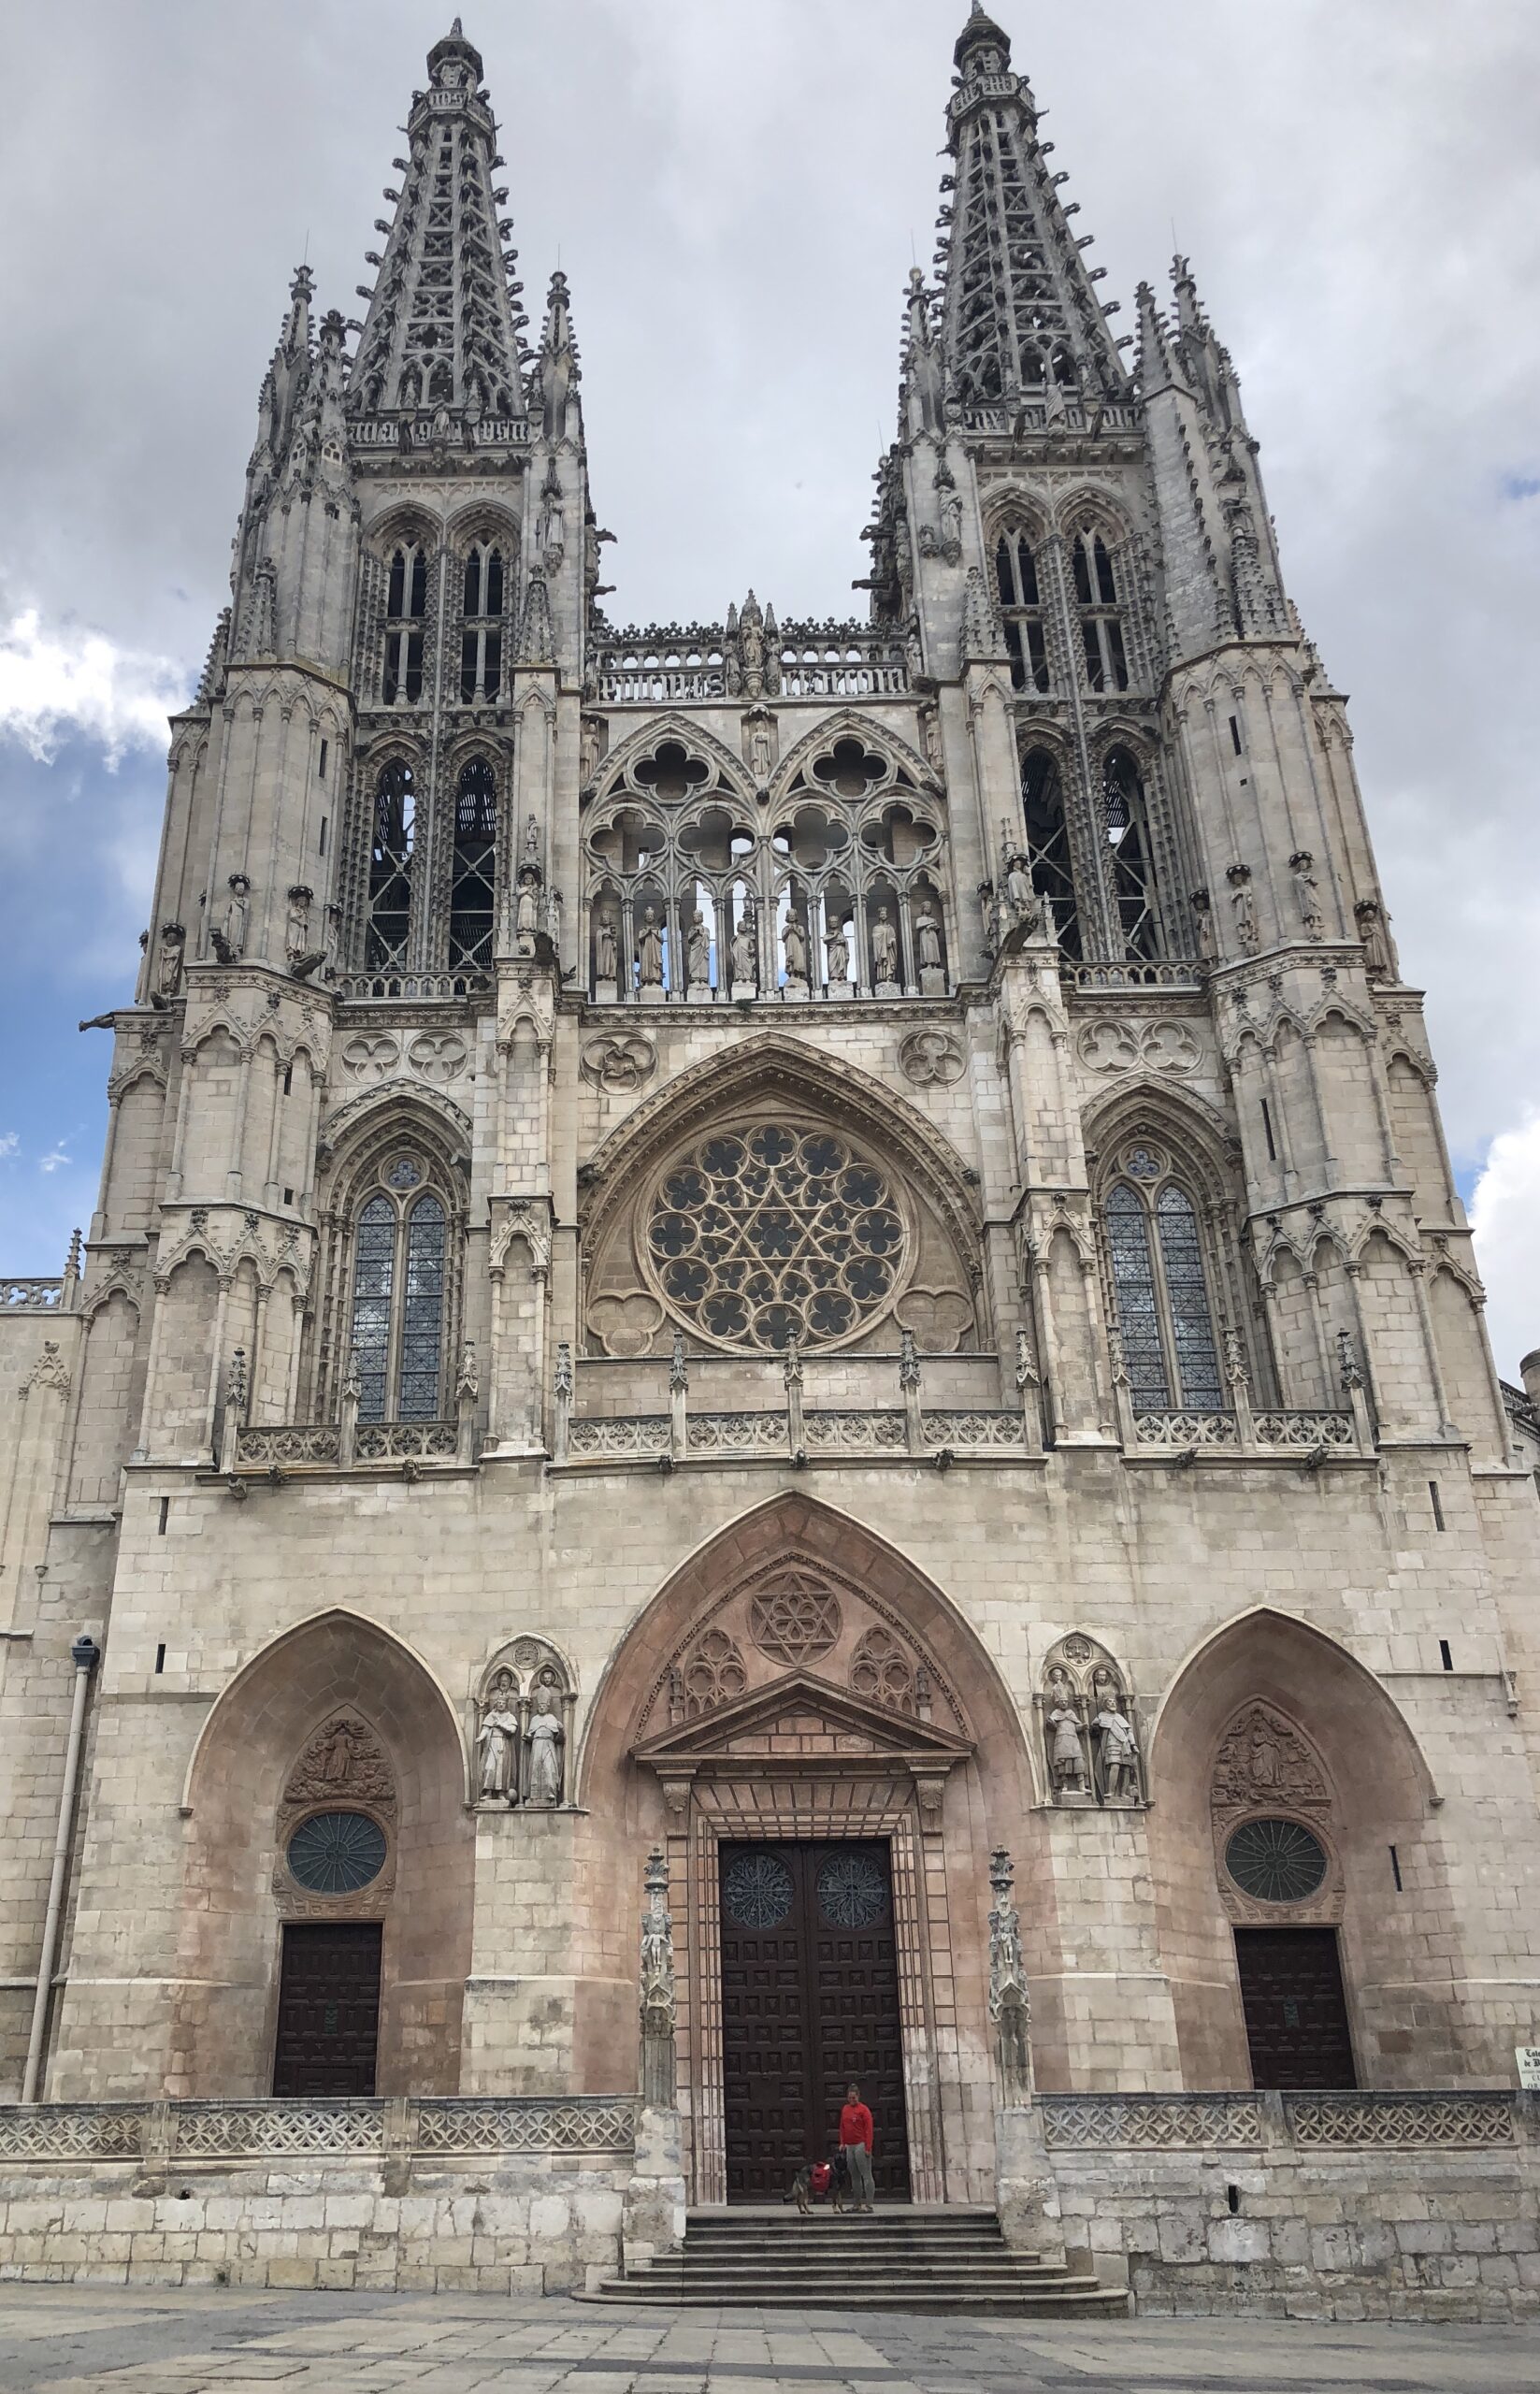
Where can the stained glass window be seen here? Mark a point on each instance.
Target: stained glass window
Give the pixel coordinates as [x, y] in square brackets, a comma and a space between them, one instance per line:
[1182, 1259]
[374, 1278]
[772, 1234]
[1160, 1286]
[1138, 1306]
[335, 1854]
[423, 1312]
[1021, 608]
[1278, 1862]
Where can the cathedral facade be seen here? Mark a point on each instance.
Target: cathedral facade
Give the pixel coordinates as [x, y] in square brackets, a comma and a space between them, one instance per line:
[819, 1251]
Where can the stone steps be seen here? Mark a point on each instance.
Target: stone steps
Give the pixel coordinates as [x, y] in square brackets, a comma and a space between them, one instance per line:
[923, 2261]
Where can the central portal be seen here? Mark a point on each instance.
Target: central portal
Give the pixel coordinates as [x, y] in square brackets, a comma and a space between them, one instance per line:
[809, 2000]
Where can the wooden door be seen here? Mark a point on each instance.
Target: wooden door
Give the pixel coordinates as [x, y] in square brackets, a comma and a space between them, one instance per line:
[1295, 2013]
[809, 2001]
[328, 2009]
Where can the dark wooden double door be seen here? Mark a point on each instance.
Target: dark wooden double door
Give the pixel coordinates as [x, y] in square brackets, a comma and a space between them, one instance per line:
[328, 2009]
[810, 2002]
[1296, 2013]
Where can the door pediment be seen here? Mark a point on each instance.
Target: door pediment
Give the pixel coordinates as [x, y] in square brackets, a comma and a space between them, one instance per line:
[801, 1723]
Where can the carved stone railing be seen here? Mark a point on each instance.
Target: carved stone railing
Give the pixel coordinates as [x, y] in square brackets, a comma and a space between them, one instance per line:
[1149, 2123]
[826, 1430]
[31, 1296]
[1273, 1432]
[324, 1446]
[619, 1434]
[683, 664]
[1131, 976]
[362, 987]
[1451, 2120]
[1070, 415]
[968, 1430]
[342, 2130]
[738, 1433]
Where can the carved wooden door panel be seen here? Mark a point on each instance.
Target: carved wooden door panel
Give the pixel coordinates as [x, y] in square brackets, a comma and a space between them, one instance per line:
[1295, 2013]
[809, 2001]
[328, 2009]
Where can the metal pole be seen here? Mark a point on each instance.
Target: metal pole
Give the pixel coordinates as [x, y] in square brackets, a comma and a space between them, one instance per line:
[85, 1654]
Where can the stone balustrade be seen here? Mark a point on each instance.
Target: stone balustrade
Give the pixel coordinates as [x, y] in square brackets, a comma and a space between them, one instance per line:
[335, 1446]
[1185, 1431]
[32, 1296]
[1451, 2119]
[50, 2133]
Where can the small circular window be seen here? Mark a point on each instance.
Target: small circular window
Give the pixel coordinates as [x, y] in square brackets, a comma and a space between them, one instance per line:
[335, 1854]
[1277, 1862]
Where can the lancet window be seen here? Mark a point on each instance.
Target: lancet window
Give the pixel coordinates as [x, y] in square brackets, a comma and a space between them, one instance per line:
[481, 635]
[406, 613]
[1021, 611]
[1126, 823]
[1099, 604]
[1048, 844]
[473, 877]
[398, 1299]
[1159, 1280]
[391, 859]
[690, 901]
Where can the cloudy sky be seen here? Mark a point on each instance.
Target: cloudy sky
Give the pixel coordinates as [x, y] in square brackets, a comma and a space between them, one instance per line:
[736, 194]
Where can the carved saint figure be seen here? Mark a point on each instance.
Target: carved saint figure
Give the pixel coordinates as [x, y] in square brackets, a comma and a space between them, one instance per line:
[545, 1737]
[168, 964]
[1022, 903]
[1265, 1759]
[699, 952]
[336, 1756]
[927, 940]
[839, 955]
[1202, 914]
[884, 948]
[1244, 906]
[1301, 868]
[759, 752]
[498, 1742]
[795, 941]
[528, 914]
[238, 916]
[606, 950]
[532, 842]
[745, 965]
[650, 951]
[1066, 1754]
[1118, 1752]
[296, 928]
[1377, 942]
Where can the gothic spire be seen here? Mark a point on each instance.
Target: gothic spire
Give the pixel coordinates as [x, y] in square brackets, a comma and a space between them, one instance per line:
[442, 328]
[1019, 310]
[559, 370]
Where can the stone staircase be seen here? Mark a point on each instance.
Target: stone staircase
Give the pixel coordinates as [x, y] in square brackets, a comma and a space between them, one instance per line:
[935, 2259]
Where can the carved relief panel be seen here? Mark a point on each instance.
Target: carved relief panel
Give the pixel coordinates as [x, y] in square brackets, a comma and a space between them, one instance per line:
[521, 1729]
[1090, 1726]
[1271, 1810]
[336, 1828]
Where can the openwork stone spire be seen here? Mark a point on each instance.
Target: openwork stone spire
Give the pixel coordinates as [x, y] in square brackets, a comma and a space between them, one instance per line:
[443, 328]
[1019, 310]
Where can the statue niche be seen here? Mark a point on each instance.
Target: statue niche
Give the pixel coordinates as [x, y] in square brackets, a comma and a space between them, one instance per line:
[522, 1729]
[1088, 1726]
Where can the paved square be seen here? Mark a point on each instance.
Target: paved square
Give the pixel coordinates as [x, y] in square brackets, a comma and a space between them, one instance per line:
[64, 2340]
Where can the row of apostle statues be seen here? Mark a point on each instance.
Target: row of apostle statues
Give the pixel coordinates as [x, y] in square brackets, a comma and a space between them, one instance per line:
[736, 970]
[1091, 1744]
[521, 1738]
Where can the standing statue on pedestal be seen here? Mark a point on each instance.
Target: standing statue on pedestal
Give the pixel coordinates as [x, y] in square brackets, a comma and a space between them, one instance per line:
[697, 954]
[795, 942]
[498, 1740]
[606, 951]
[884, 949]
[545, 1737]
[650, 951]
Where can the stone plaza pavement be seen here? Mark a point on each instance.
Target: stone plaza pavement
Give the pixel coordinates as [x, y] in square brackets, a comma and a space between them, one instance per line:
[62, 2340]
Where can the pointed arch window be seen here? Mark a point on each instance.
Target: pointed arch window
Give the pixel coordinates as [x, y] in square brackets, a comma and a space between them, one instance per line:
[400, 1257]
[1155, 1252]
[1126, 823]
[406, 613]
[391, 867]
[473, 883]
[1100, 606]
[1048, 844]
[1021, 610]
[481, 637]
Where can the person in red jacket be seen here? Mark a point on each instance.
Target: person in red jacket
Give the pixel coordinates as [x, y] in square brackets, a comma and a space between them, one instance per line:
[855, 2137]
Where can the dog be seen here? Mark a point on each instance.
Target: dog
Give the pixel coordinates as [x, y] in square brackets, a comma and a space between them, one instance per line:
[816, 2179]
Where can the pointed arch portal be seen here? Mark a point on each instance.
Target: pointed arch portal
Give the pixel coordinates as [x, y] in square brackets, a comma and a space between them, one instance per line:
[819, 1742]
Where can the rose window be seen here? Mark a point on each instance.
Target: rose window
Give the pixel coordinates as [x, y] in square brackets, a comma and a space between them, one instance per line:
[769, 1234]
[335, 1854]
[1278, 1862]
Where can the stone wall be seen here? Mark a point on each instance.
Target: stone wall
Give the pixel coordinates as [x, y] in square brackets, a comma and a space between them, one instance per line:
[1306, 2206]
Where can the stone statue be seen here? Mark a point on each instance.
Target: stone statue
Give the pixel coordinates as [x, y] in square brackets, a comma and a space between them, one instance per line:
[884, 948]
[497, 1739]
[1009, 2006]
[1245, 907]
[606, 950]
[795, 941]
[1377, 961]
[336, 1756]
[839, 955]
[1066, 1753]
[545, 1737]
[1023, 906]
[1116, 1752]
[1202, 915]
[650, 951]
[697, 953]
[532, 842]
[528, 914]
[296, 927]
[1307, 896]
[237, 918]
[658, 2006]
[168, 964]
[928, 941]
[759, 752]
[745, 961]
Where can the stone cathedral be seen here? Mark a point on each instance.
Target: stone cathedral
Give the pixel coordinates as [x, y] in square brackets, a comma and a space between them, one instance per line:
[779, 1378]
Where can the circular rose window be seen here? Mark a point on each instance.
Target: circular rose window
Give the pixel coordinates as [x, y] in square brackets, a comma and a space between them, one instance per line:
[335, 1854]
[1277, 1862]
[769, 1234]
